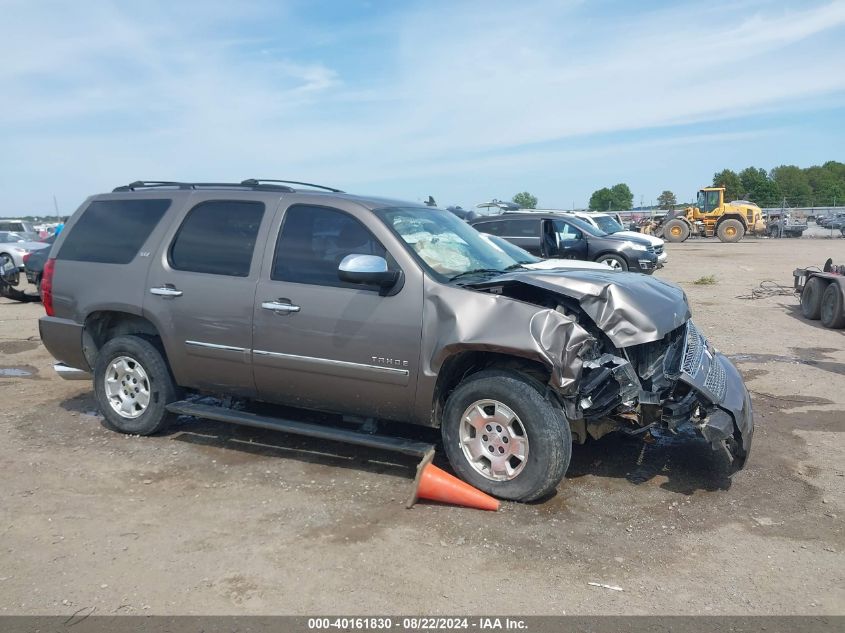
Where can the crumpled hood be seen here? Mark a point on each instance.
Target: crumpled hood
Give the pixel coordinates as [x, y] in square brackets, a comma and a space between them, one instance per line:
[631, 308]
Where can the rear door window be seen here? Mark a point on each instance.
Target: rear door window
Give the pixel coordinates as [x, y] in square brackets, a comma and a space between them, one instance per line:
[314, 240]
[112, 231]
[218, 237]
[528, 227]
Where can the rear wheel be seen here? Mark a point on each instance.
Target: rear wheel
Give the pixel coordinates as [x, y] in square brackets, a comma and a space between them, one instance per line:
[675, 230]
[504, 437]
[614, 261]
[133, 385]
[811, 298]
[730, 231]
[832, 311]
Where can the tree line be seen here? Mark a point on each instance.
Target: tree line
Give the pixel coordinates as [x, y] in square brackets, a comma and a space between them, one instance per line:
[816, 186]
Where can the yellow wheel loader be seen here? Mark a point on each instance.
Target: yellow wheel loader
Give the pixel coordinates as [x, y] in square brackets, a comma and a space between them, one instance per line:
[711, 215]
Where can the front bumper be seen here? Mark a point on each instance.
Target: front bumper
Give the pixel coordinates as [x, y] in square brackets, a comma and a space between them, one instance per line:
[662, 259]
[648, 264]
[729, 419]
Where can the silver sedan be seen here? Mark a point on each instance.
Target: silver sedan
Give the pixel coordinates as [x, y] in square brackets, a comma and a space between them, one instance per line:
[13, 248]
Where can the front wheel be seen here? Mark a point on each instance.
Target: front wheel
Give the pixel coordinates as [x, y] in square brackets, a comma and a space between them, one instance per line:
[504, 437]
[133, 385]
[811, 298]
[676, 230]
[614, 261]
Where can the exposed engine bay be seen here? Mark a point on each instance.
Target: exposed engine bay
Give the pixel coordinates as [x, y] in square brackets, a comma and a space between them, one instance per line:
[647, 364]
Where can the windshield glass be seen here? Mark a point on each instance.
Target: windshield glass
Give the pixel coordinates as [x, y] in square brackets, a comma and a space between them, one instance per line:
[519, 254]
[608, 224]
[446, 245]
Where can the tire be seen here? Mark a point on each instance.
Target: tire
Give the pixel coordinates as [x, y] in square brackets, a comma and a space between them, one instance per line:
[154, 378]
[676, 230]
[811, 298]
[730, 231]
[614, 261]
[547, 445]
[14, 278]
[832, 310]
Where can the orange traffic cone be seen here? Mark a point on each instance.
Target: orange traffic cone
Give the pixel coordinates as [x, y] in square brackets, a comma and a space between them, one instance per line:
[437, 485]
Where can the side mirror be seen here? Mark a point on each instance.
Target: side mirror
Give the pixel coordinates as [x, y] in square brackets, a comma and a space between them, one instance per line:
[367, 269]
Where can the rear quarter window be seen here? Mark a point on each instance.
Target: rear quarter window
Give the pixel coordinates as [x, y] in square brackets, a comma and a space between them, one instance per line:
[112, 231]
[522, 227]
[491, 228]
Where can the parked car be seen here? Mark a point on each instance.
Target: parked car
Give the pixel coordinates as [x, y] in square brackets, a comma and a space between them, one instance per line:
[563, 236]
[23, 228]
[13, 248]
[831, 221]
[34, 263]
[784, 225]
[527, 260]
[611, 225]
[378, 310]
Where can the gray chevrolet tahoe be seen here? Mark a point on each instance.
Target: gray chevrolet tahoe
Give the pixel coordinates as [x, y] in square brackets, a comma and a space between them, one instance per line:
[379, 310]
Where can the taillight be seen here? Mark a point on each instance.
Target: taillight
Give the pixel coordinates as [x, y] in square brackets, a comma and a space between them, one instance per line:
[47, 286]
[26, 258]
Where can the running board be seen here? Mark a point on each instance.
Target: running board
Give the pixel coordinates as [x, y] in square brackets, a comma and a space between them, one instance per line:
[210, 412]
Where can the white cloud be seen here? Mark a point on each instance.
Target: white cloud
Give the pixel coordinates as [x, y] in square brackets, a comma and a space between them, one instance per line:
[99, 92]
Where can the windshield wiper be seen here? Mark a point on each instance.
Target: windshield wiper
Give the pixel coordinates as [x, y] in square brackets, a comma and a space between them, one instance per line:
[475, 271]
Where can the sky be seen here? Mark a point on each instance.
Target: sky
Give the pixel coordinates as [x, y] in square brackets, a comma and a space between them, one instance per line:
[465, 101]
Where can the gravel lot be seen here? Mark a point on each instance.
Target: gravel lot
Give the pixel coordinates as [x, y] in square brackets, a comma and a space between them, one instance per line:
[212, 519]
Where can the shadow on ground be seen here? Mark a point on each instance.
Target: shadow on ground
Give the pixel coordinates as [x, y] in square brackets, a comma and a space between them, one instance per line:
[685, 461]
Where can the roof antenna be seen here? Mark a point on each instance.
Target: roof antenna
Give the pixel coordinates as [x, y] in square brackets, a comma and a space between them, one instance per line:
[430, 202]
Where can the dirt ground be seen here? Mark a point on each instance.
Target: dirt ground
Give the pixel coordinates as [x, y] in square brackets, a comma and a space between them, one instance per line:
[212, 519]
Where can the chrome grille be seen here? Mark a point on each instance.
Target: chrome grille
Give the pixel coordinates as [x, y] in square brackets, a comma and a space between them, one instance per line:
[716, 382]
[694, 349]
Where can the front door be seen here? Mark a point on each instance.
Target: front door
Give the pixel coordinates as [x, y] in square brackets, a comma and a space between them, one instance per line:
[571, 242]
[321, 343]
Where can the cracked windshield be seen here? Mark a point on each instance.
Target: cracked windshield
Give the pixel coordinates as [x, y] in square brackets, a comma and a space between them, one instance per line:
[447, 245]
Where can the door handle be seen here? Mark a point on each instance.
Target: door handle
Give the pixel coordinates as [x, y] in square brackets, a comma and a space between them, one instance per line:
[278, 306]
[165, 291]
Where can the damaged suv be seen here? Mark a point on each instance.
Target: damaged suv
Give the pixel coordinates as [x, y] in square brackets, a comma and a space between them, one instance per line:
[377, 310]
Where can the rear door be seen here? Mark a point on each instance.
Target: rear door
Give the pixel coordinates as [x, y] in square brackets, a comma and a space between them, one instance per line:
[524, 232]
[324, 344]
[201, 289]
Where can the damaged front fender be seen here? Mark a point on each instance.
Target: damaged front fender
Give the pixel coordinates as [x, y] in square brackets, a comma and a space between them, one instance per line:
[457, 320]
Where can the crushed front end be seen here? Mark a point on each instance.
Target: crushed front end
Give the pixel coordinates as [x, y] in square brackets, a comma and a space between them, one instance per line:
[674, 381]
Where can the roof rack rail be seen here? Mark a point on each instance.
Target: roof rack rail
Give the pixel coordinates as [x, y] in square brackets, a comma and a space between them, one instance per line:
[258, 181]
[169, 184]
